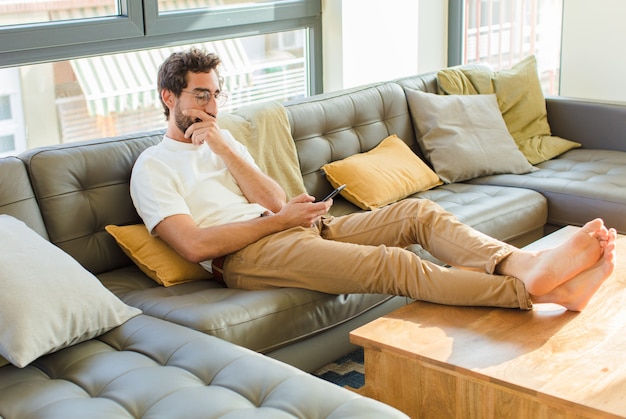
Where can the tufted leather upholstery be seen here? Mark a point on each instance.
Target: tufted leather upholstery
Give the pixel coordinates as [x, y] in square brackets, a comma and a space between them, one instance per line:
[263, 321]
[81, 187]
[491, 209]
[331, 127]
[149, 368]
[17, 197]
[579, 185]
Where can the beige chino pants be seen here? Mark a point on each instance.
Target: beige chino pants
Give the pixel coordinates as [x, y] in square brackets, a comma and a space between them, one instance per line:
[365, 253]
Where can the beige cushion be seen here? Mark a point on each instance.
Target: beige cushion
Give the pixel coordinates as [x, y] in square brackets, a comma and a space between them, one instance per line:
[387, 173]
[154, 257]
[47, 299]
[521, 102]
[464, 137]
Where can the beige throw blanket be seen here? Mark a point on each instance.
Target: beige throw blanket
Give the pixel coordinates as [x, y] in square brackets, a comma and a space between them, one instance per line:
[264, 129]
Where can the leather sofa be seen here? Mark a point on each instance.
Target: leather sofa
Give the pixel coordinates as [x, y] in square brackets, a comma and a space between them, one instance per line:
[147, 367]
[68, 193]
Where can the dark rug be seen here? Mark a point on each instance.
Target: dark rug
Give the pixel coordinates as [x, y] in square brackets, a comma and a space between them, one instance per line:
[346, 371]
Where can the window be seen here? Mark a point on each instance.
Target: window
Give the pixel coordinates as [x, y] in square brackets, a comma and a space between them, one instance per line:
[21, 12]
[116, 94]
[88, 68]
[12, 137]
[169, 5]
[503, 32]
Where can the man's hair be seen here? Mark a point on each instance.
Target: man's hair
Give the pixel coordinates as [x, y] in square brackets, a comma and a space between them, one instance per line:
[172, 74]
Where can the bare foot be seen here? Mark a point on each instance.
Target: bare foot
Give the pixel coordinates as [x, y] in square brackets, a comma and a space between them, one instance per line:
[576, 293]
[545, 270]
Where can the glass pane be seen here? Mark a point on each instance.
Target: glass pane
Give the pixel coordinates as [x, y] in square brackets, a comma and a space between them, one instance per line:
[7, 143]
[14, 12]
[5, 108]
[503, 32]
[111, 95]
[171, 5]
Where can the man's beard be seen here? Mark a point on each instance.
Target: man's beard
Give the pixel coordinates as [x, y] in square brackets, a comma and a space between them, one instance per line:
[183, 122]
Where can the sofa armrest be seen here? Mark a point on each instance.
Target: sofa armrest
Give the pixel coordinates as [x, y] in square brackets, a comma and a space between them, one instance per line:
[596, 125]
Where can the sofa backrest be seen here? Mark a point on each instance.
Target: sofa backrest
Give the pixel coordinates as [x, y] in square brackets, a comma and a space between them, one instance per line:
[16, 195]
[333, 126]
[424, 82]
[81, 188]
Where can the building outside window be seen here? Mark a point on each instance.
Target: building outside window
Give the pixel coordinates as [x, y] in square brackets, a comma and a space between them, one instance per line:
[503, 32]
[12, 136]
[108, 94]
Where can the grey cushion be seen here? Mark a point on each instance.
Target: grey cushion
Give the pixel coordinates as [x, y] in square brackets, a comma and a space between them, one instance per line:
[151, 368]
[464, 136]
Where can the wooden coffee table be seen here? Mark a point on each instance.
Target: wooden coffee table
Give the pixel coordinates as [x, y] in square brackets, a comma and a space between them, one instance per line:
[437, 361]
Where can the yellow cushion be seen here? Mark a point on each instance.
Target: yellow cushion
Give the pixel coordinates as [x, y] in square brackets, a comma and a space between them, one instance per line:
[387, 173]
[154, 257]
[521, 101]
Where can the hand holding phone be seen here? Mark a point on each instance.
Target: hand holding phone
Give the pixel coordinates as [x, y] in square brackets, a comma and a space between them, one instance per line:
[334, 193]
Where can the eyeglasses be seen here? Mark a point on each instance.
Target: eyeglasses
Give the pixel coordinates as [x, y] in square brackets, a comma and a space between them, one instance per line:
[204, 97]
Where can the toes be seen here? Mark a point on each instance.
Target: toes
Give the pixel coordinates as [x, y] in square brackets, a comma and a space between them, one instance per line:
[593, 226]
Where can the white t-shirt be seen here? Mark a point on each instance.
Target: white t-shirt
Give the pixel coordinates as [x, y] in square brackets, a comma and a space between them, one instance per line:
[173, 178]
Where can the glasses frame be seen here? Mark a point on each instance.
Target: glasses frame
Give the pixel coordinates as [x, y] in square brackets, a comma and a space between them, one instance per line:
[204, 97]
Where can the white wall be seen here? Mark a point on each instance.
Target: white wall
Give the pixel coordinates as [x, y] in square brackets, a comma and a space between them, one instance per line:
[367, 41]
[371, 40]
[593, 61]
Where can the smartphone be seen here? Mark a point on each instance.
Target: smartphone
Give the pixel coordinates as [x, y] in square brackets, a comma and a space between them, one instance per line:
[334, 193]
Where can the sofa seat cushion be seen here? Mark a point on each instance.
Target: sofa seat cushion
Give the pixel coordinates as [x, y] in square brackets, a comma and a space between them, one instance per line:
[259, 320]
[151, 368]
[579, 185]
[513, 215]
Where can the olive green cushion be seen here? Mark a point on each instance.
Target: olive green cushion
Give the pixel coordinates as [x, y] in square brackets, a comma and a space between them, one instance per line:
[520, 99]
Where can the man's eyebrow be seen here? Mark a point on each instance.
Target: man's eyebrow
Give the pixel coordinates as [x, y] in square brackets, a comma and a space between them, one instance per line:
[205, 89]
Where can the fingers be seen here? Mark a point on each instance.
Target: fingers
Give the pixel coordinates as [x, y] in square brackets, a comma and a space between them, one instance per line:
[198, 133]
[303, 211]
[202, 126]
[305, 197]
[199, 116]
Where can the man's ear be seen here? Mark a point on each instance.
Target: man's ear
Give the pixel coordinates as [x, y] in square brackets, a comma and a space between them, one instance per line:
[168, 98]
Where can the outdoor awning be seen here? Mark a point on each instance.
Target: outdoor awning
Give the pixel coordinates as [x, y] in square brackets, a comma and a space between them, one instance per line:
[127, 81]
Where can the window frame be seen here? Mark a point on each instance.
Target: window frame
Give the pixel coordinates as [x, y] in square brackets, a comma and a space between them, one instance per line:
[190, 20]
[13, 126]
[47, 41]
[456, 27]
[141, 26]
